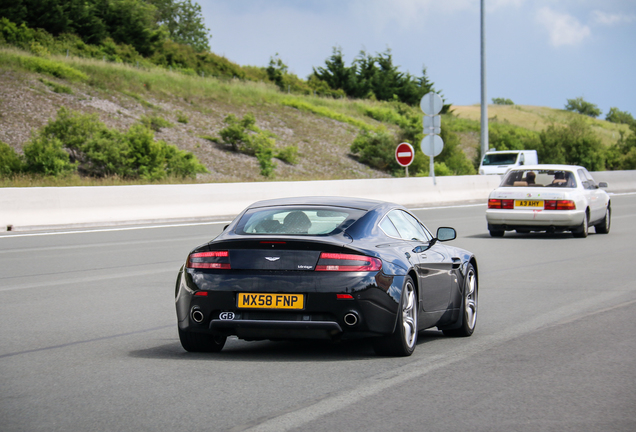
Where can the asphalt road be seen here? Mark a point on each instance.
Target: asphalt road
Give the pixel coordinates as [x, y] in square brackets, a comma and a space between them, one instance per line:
[88, 342]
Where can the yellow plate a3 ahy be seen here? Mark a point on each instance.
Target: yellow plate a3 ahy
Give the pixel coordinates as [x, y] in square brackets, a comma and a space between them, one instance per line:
[529, 203]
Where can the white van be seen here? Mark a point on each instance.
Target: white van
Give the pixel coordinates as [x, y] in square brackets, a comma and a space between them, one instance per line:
[498, 162]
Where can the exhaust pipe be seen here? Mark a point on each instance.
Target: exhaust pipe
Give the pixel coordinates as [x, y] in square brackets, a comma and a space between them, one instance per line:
[351, 319]
[197, 316]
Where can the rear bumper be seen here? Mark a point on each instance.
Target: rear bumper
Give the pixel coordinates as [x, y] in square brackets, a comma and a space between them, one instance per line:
[564, 219]
[272, 329]
[371, 312]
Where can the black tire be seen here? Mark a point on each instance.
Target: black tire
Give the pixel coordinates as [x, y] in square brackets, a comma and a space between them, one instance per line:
[581, 231]
[468, 315]
[404, 338]
[604, 226]
[496, 233]
[201, 342]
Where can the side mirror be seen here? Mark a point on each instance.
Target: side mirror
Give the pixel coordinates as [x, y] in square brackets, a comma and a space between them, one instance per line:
[522, 159]
[603, 185]
[446, 234]
[225, 227]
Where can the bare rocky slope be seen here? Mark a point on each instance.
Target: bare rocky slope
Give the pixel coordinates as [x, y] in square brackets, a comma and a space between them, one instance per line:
[27, 103]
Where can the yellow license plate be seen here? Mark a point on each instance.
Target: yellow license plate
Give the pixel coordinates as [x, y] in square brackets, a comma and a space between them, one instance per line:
[271, 301]
[528, 203]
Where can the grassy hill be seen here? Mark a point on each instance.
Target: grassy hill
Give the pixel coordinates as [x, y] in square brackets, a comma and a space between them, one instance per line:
[537, 118]
[32, 89]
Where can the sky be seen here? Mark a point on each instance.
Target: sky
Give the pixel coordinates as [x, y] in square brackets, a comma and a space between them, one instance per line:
[538, 52]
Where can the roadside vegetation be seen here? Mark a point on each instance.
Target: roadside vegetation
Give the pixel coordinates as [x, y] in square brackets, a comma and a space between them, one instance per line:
[121, 86]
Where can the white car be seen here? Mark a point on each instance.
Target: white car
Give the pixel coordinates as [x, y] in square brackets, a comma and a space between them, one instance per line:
[549, 198]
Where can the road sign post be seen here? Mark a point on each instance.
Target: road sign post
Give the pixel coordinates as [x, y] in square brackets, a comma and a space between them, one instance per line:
[404, 155]
[432, 144]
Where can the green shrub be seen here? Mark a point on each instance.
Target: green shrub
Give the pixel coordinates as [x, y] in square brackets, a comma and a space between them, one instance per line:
[245, 137]
[264, 146]
[37, 49]
[236, 133]
[325, 112]
[452, 155]
[46, 156]
[622, 154]
[376, 149]
[81, 142]
[154, 122]
[502, 136]
[502, 101]
[52, 67]
[57, 88]
[73, 130]
[107, 154]
[10, 161]
[287, 154]
[182, 118]
[147, 156]
[181, 163]
[441, 170]
[573, 144]
[384, 114]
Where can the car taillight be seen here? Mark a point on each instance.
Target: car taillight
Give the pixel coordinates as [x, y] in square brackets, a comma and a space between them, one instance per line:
[559, 205]
[347, 262]
[506, 204]
[209, 260]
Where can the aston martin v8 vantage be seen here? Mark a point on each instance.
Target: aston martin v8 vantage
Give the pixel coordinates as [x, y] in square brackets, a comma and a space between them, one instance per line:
[326, 268]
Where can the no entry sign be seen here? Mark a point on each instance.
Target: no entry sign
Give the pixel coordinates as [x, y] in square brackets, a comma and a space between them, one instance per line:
[404, 154]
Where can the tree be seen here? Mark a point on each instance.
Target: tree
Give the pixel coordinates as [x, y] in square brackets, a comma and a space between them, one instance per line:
[184, 22]
[336, 74]
[133, 22]
[617, 116]
[60, 16]
[581, 106]
[374, 77]
[276, 71]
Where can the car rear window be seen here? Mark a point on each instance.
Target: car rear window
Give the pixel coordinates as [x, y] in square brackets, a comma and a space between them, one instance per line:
[305, 220]
[539, 178]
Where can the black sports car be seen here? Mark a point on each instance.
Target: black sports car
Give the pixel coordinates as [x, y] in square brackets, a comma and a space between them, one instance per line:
[326, 268]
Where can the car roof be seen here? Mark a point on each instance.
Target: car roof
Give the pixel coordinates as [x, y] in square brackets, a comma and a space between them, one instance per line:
[334, 201]
[554, 167]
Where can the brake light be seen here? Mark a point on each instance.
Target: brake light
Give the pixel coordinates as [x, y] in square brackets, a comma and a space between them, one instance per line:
[209, 260]
[347, 262]
[344, 296]
[559, 205]
[506, 204]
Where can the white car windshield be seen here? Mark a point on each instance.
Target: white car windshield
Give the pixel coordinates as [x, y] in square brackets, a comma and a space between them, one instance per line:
[539, 178]
[500, 159]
